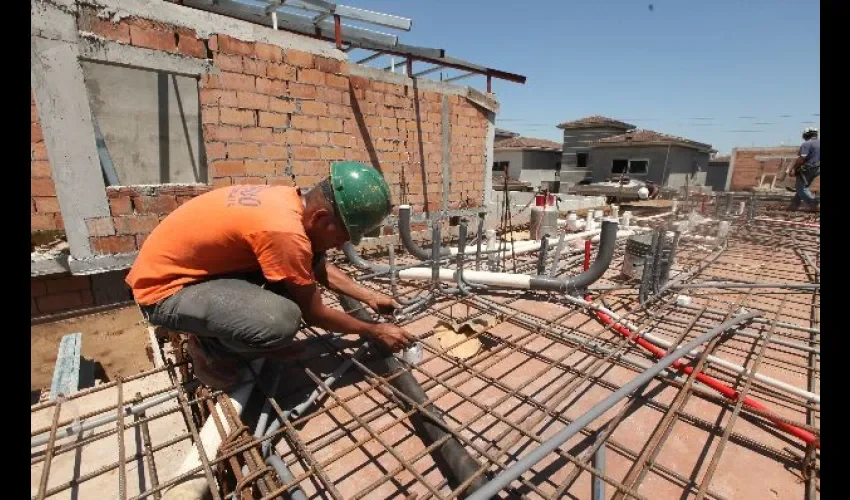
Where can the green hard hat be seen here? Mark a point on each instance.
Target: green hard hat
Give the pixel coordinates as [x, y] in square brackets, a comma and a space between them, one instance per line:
[362, 197]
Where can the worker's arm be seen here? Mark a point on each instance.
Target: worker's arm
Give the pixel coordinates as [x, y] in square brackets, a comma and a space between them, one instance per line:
[335, 279]
[316, 313]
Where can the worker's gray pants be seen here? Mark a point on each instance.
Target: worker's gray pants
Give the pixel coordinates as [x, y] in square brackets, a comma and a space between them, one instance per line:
[805, 177]
[241, 314]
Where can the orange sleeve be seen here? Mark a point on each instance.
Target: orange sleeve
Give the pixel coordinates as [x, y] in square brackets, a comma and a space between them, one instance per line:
[284, 256]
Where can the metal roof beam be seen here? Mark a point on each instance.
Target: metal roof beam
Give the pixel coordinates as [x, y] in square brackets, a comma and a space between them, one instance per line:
[345, 12]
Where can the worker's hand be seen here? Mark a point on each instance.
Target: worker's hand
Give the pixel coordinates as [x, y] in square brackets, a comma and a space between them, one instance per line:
[392, 336]
[382, 304]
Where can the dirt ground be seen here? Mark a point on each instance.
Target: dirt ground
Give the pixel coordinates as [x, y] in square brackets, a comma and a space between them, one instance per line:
[116, 339]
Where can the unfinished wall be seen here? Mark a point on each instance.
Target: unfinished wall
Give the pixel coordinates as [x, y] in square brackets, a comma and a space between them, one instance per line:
[44, 207]
[276, 115]
[61, 293]
[750, 165]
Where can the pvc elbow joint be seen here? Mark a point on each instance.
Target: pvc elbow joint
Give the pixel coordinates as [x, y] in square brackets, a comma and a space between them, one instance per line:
[404, 212]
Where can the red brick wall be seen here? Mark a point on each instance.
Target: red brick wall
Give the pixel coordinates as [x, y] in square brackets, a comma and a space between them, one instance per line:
[748, 169]
[44, 207]
[63, 293]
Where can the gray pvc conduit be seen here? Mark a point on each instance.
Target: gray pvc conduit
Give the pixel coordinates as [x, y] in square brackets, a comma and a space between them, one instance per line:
[286, 476]
[528, 461]
[407, 240]
[560, 248]
[263, 420]
[136, 409]
[480, 237]
[455, 457]
[578, 283]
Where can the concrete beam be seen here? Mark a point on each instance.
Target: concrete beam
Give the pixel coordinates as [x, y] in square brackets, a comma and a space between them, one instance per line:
[66, 121]
[488, 157]
[47, 267]
[446, 156]
[101, 263]
[207, 23]
[731, 171]
[96, 49]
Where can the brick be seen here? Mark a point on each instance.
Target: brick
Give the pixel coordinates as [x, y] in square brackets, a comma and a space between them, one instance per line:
[42, 187]
[162, 204]
[242, 117]
[339, 111]
[337, 82]
[229, 167]
[330, 124]
[279, 181]
[38, 288]
[40, 169]
[153, 38]
[113, 244]
[342, 140]
[328, 65]
[305, 153]
[273, 152]
[221, 182]
[121, 206]
[281, 105]
[274, 120]
[191, 46]
[314, 108]
[328, 95]
[100, 226]
[215, 97]
[254, 66]
[281, 71]
[236, 81]
[140, 240]
[59, 302]
[257, 134]
[249, 180]
[275, 88]
[87, 298]
[252, 100]
[210, 115]
[315, 138]
[43, 222]
[302, 91]
[224, 133]
[259, 167]
[119, 32]
[298, 58]
[311, 76]
[227, 62]
[268, 52]
[35, 133]
[359, 82]
[230, 45]
[305, 122]
[236, 151]
[48, 205]
[136, 224]
[333, 154]
[38, 151]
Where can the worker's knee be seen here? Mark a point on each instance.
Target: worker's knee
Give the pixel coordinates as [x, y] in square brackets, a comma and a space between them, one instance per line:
[275, 323]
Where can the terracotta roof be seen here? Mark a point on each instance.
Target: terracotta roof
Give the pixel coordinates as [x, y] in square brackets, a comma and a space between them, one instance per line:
[527, 143]
[596, 121]
[648, 137]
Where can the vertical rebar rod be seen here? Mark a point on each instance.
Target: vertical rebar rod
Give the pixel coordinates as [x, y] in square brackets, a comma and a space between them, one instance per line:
[598, 489]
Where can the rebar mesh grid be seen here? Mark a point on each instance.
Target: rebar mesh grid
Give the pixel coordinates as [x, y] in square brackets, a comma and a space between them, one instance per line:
[544, 362]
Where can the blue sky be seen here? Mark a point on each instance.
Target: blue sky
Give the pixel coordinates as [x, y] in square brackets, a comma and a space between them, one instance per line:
[729, 73]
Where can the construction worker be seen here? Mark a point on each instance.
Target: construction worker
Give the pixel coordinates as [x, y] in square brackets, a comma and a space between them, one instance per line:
[806, 169]
[237, 269]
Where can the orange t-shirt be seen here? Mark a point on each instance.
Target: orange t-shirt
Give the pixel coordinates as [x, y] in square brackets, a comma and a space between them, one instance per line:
[227, 230]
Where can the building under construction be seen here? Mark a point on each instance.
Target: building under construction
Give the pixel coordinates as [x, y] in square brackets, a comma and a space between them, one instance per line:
[665, 351]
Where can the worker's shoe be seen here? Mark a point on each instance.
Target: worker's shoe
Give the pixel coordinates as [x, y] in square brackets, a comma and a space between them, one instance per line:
[214, 372]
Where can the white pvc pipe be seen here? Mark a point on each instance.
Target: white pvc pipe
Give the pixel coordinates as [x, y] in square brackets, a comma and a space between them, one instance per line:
[710, 359]
[503, 280]
[196, 487]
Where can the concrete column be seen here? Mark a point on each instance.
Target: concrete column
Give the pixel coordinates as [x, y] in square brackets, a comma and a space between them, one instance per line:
[66, 121]
[488, 157]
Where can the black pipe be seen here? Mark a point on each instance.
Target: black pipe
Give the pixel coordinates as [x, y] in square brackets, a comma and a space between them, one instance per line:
[578, 284]
[451, 456]
[481, 216]
[541, 256]
[407, 240]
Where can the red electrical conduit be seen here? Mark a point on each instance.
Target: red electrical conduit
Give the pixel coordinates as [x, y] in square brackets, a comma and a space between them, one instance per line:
[715, 384]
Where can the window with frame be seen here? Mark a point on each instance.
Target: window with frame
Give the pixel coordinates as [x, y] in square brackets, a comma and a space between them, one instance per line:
[581, 160]
[501, 166]
[629, 166]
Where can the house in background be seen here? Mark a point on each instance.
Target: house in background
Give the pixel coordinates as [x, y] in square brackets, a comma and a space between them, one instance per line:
[578, 134]
[535, 162]
[718, 172]
[646, 155]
